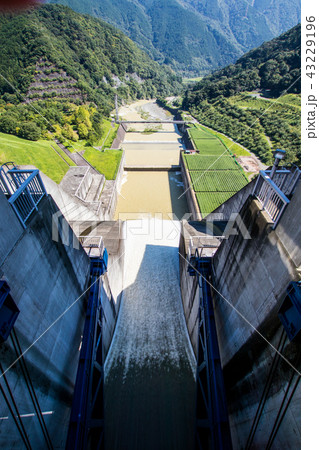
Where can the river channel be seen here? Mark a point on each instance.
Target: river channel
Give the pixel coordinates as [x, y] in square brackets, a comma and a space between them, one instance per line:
[152, 183]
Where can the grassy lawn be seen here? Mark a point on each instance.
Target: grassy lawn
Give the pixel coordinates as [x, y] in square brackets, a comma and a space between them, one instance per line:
[209, 201]
[106, 162]
[109, 134]
[206, 143]
[208, 162]
[39, 154]
[218, 180]
[191, 80]
[288, 104]
[79, 146]
[64, 156]
[261, 103]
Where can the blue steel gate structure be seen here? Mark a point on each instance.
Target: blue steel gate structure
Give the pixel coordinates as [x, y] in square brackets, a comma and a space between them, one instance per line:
[86, 427]
[212, 426]
[24, 189]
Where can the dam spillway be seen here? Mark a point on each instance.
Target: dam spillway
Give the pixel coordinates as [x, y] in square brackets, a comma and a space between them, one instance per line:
[150, 369]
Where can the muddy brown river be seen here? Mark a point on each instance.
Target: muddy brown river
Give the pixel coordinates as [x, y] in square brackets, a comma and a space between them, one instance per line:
[150, 187]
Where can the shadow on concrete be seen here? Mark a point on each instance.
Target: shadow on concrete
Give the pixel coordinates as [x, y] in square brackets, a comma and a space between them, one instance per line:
[150, 387]
[176, 187]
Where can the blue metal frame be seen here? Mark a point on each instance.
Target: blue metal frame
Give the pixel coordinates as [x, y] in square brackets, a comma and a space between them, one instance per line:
[212, 426]
[86, 427]
[8, 311]
[24, 189]
[290, 310]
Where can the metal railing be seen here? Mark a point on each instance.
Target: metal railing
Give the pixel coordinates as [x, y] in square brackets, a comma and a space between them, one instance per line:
[286, 180]
[204, 245]
[6, 183]
[273, 200]
[90, 243]
[28, 194]
[79, 190]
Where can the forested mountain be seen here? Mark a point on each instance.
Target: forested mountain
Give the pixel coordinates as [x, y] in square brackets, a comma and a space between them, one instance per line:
[223, 100]
[195, 36]
[66, 54]
[274, 66]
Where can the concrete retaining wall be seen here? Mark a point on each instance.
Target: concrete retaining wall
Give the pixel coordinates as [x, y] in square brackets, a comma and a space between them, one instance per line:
[190, 195]
[253, 274]
[119, 136]
[190, 296]
[48, 271]
[46, 278]
[116, 188]
[84, 186]
[188, 141]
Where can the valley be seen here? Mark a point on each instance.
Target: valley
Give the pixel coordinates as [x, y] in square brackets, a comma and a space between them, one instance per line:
[150, 267]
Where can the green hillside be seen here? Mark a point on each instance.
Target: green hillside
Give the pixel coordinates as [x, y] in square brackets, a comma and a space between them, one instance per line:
[39, 154]
[274, 66]
[262, 120]
[94, 59]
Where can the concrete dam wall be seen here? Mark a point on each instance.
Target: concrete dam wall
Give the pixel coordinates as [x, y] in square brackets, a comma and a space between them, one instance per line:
[253, 274]
[45, 278]
[48, 272]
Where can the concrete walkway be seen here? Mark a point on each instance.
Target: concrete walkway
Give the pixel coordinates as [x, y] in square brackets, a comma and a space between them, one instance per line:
[77, 158]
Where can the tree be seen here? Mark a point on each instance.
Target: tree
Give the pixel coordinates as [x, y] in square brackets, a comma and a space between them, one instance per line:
[82, 115]
[83, 131]
[30, 131]
[69, 133]
[8, 124]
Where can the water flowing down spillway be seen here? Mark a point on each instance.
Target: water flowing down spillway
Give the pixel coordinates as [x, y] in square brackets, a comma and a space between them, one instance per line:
[150, 369]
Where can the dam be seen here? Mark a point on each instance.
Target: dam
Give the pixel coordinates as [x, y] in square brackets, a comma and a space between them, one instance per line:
[147, 332]
[151, 367]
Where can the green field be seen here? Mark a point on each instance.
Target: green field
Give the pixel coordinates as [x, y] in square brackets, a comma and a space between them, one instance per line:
[248, 100]
[209, 201]
[39, 154]
[207, 162]
[218, 181]
[233, 147]
[215, 174]
[106, 162]
[259, 124]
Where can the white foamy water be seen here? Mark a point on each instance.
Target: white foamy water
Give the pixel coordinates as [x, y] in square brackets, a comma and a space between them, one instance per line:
[151, 329]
